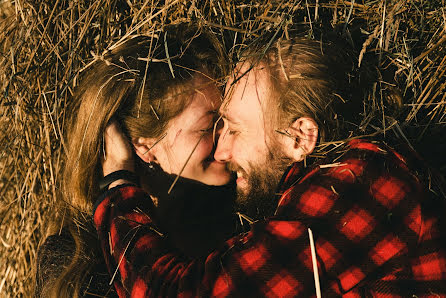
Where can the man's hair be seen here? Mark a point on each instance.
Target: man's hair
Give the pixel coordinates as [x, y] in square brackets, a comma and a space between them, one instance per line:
[322, 80]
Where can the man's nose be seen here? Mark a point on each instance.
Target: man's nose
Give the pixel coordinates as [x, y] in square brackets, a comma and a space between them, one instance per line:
[223, 150]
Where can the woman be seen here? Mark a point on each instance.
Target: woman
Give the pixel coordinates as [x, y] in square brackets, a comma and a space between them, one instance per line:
[159, 91]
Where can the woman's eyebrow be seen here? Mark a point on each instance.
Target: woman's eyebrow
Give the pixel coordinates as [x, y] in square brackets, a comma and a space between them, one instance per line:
[205, 115]
[210, 113]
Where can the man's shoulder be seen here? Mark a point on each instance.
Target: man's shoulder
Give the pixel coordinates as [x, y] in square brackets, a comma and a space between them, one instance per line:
[351, 158]
[363, 161]
[364, 149]
[358, 166]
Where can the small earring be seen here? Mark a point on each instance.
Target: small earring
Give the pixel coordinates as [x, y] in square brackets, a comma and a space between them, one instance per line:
[150, 166]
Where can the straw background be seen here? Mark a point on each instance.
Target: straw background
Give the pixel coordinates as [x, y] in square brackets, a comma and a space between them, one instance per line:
[45, 44]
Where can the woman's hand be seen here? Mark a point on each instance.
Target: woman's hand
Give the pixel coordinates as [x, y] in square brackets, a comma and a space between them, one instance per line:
[118, 152]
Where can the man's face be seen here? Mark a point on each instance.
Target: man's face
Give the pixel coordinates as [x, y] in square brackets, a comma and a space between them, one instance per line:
[247, 141]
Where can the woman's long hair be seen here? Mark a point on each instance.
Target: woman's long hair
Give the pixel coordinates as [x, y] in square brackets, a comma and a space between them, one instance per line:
[143, 82]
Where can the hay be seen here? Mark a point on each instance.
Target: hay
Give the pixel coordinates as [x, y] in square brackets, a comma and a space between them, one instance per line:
[44, 45]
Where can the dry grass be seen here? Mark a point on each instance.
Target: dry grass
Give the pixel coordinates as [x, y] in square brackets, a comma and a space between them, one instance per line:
[44, 44]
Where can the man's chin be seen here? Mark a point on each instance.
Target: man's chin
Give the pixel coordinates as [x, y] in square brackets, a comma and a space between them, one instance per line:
[254, 203]
[242, 194]
[257, 190]
[256, 207]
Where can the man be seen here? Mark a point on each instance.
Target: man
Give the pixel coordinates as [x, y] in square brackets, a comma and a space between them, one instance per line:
[357, 223]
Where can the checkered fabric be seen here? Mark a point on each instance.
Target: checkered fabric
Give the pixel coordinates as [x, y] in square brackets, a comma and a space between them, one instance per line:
[376, 234]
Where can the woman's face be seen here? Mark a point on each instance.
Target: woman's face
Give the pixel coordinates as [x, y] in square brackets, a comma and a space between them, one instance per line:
[189, 141]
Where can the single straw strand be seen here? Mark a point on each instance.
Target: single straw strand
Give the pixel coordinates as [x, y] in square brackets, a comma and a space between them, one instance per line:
[184, 166]
[315, 270]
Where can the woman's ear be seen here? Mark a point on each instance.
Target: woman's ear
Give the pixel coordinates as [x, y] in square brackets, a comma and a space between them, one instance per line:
[304, 133]
[144, 149]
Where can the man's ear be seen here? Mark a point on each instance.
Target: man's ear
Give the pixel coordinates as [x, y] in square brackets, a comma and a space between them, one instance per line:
[144, 149]
[304, 133]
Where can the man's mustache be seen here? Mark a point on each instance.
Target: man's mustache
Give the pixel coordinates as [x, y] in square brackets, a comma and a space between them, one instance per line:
[233, 167]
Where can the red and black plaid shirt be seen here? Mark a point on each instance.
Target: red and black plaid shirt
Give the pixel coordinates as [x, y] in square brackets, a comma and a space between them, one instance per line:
[376, 233]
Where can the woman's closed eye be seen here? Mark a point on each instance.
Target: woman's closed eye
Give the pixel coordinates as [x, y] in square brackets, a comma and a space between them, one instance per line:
[206, 130]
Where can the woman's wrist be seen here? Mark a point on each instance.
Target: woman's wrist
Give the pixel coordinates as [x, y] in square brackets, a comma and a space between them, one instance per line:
[117, 178]
[119, 182]
[109, 167]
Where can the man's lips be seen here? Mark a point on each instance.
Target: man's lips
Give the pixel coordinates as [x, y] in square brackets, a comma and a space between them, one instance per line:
[241, 180]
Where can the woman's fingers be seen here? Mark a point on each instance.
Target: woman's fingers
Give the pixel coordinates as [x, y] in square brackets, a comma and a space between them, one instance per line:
[118, 151]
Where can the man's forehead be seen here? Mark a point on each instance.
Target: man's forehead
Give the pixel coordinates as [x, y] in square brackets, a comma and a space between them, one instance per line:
[247, 89]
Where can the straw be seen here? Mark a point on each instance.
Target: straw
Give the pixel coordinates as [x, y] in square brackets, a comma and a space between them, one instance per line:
[44, 45]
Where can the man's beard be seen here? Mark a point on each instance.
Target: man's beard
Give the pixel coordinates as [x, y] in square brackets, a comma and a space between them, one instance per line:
[259, 200]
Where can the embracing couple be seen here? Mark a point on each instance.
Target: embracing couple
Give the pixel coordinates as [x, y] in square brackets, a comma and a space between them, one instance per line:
[151, 127]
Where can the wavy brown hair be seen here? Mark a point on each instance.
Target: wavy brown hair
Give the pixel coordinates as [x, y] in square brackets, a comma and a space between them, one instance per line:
[143, 82]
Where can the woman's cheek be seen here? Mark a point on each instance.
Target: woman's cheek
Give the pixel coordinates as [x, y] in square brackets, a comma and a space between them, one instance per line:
[207, 145]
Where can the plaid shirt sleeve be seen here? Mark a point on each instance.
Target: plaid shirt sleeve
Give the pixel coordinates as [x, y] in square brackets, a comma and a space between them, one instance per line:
[375, 234]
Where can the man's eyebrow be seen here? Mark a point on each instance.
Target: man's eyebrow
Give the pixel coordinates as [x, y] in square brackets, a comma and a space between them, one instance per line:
[229, 119]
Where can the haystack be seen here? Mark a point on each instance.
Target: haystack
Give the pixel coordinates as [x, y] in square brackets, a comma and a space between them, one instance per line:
[45, 44]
